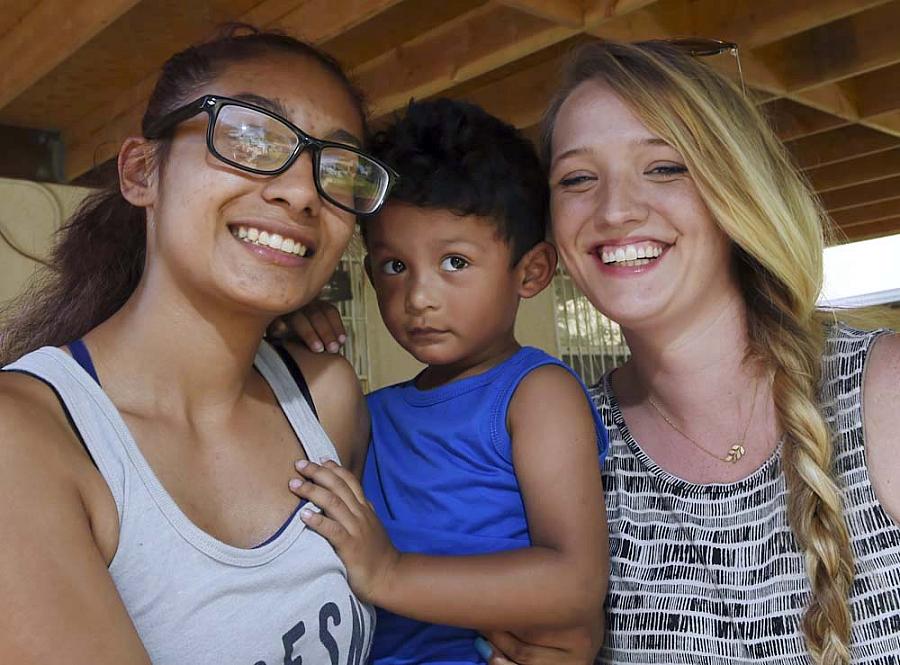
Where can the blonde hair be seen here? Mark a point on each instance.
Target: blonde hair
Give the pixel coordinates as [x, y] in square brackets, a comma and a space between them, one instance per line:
[777, 228]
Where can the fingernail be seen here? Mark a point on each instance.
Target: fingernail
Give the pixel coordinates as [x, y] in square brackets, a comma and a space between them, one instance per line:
[334, 347]
[342, 338]
[317, 347]
[306, 513]
[301, 464]
[294, 483]
[483, 648]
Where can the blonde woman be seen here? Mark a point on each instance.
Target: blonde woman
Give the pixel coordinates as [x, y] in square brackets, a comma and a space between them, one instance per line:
[751, 484]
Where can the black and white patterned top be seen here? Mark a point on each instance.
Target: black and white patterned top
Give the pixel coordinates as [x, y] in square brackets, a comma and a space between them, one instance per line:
[711, 574]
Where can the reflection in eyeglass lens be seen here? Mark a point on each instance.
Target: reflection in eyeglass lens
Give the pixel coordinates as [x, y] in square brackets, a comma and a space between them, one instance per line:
[252, 139]
[350, 178]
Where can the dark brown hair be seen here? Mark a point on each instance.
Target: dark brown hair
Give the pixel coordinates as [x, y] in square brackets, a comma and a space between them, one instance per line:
[99, 255]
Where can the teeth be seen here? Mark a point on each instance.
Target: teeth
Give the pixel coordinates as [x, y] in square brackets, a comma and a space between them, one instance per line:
[273, 240]
[631, 255]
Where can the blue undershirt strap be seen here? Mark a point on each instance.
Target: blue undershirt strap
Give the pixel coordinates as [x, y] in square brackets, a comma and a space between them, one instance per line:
[83, 357]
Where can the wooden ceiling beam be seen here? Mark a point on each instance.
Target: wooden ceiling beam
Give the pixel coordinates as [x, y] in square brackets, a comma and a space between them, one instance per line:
[884, 227]
[569, 13]
[857, 171]
[792, 120]
[749, 23]
[839, 145]
[477, 42]
[871, 192]
[96, 137]
[873, 212]
[43, 39]
[838, 50]
[877, 92]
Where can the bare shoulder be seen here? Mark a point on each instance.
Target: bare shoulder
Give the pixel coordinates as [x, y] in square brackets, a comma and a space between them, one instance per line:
[881, 409]
[29, 414]
[549, 392]
[339, 401]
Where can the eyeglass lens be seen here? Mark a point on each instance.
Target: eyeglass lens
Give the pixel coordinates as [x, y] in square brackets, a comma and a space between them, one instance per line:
[258, 141]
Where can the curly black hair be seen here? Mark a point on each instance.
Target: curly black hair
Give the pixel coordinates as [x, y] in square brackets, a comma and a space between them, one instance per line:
[455, 156]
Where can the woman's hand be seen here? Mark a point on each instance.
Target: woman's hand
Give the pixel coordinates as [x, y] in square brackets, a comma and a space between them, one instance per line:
[349, 523]
[318, 325]
[504, 648]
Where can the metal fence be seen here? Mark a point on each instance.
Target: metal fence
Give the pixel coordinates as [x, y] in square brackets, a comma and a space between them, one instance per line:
[353, 313]
[589, 342]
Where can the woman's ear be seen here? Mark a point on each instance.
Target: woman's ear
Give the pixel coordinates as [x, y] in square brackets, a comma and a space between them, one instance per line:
[137, 172]
[536, 268]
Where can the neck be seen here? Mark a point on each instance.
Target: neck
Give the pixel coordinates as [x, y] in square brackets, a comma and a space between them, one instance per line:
[700, 361]
[165, 352]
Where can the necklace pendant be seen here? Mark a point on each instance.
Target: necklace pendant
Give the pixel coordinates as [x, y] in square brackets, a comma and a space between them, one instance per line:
[735, 454]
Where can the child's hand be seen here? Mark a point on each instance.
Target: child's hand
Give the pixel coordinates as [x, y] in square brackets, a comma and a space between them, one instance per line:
[317, 324]
[349, 523]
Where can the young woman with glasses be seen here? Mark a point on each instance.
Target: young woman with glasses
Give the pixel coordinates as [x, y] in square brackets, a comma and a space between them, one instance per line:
[148, 435]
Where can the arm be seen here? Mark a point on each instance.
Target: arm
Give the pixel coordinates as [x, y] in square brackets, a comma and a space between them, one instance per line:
[881, 409]
[558, 583]
[57, 592]
[339, 402]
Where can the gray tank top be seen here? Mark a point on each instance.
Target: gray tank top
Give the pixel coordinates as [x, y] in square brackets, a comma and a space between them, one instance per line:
[193, 598]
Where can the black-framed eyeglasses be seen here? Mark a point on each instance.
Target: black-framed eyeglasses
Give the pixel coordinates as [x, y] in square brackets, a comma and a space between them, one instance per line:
[256, 140]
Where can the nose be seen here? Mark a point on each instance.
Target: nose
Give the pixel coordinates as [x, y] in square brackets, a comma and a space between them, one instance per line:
[420, 293]
[620, 201]
[295, 188]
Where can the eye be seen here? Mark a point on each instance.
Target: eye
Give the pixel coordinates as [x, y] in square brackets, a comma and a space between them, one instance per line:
[393, 267]
[454, 263]
[576, 181]
[667, 171]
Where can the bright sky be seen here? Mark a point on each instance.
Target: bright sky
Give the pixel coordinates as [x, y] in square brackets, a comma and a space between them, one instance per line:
[862, 267]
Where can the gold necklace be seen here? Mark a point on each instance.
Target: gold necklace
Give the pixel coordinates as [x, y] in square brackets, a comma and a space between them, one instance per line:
[735, 453]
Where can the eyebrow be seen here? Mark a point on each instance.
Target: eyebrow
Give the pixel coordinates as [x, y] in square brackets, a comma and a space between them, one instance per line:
[582, 150]
[276, 106]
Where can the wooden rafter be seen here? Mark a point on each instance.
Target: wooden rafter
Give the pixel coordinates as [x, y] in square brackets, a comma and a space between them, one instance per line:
[839, 145]
[871, 168]
[872, 212]
[41, 41]
[871, 192]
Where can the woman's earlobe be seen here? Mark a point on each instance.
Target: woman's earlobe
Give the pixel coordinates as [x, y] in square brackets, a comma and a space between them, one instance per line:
[538, 267]
[137, 172]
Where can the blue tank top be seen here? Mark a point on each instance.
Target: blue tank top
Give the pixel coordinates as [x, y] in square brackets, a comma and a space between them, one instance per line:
[440, 475]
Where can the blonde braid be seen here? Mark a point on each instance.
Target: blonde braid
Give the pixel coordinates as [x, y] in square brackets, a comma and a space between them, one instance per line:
[792, 347]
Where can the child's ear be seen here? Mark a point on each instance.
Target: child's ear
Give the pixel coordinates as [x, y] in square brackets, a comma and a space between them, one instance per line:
[537, 268]
[137, 172]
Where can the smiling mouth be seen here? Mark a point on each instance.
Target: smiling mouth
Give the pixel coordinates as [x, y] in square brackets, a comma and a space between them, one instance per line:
[254, 236]
[632, 255]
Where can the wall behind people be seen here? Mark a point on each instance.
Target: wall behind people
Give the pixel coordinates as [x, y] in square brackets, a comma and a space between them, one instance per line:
[31, 212]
